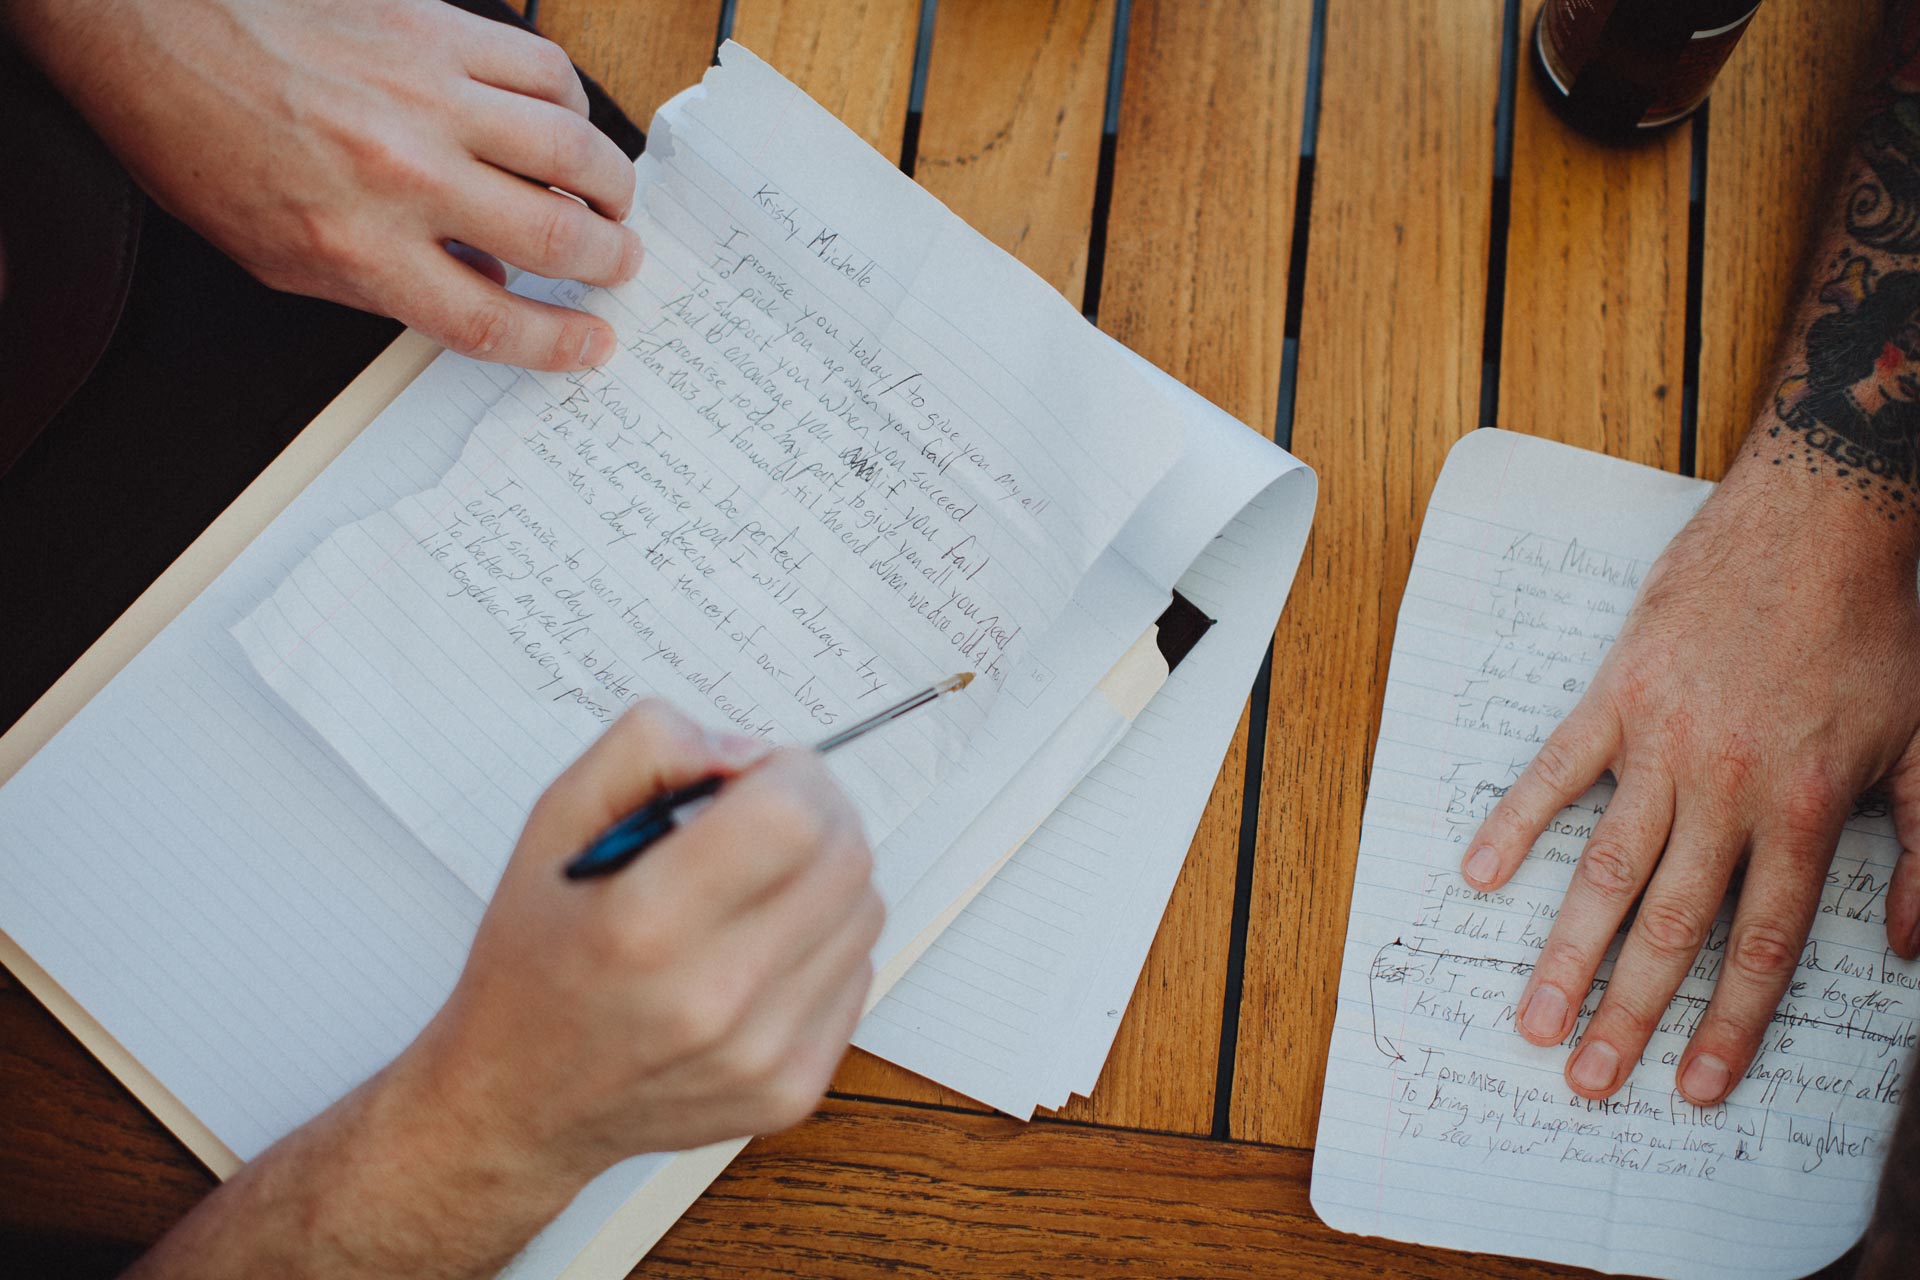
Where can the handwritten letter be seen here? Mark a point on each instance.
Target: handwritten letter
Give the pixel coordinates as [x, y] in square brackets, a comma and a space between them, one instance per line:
[1439, 1122]
[809, 481]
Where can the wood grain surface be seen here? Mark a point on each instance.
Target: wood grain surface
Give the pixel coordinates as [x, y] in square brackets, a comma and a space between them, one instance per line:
[641, 53]
[1010, 139]
[1011, 136]
[1390, 346]
[855, 57]
[869, 1191]
[1594, 333]
[1198, 241]
[897, 1175]
[1779, 115]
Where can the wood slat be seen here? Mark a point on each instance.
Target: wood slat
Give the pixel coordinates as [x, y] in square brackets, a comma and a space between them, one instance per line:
[1010, 134]
[1198, 238]
[1010, 139]
[870, 1191]
[1594, 330]
[1389, 378]
[642, 54]
[855, 57]
[88, 1180]
[85, 1172]
[1780, 114]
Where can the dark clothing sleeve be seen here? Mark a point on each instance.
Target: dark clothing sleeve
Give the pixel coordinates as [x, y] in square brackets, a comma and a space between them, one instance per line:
[131, 437]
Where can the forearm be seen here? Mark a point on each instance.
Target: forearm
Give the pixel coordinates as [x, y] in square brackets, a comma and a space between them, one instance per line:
[390, 1181]
[1836, 441]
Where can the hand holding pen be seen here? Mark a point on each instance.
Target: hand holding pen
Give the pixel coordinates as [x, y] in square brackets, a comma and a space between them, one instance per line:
[628, 838]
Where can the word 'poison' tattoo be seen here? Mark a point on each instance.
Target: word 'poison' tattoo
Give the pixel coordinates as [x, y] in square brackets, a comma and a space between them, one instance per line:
[1855, 404]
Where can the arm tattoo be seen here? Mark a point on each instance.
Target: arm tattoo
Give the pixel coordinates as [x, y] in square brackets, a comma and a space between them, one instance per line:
[1851, 398]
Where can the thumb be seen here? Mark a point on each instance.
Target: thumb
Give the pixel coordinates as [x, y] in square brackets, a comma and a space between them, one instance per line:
[651, 749]
[1903, 895]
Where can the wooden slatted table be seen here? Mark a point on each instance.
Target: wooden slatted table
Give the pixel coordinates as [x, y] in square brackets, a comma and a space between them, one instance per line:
[1355, 226]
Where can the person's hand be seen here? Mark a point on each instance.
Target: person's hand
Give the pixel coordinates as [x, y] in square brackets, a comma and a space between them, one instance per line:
[705, 992]
[338, 150]
[1768, 674]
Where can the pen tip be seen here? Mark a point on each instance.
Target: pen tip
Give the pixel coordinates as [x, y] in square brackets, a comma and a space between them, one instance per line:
[954, 684]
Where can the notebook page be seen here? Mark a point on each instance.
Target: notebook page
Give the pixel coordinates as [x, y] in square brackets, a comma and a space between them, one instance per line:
[194, 867]
[1439, 1123]
[841, 451]
[1017, 1003]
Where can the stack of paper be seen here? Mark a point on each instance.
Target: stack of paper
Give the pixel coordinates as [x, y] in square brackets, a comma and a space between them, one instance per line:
[845, 447]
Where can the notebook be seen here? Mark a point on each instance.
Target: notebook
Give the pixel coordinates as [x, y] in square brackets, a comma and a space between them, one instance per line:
[845, 447]
[1439, 1123]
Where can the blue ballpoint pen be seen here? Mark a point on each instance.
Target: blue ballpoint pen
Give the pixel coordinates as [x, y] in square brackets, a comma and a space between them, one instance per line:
[628, 838]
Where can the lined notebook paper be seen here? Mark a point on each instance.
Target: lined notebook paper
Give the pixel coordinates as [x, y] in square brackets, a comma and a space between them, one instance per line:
[826, 465]
[256, 856]
[1439, 1123]
[1017, 1004]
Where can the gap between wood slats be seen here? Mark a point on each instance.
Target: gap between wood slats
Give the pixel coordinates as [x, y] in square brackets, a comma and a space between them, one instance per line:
[1493, 329]
[917, 88]
[1262, 693]
[1696, 261]
[1103, 176]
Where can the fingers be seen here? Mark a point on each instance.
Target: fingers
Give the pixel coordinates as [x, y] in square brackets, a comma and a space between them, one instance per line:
[1616, 863]
[543, 231]
[764, 829]
[800, 1033]
[552, 146]
[651, 749]
[464, 312]
[1571, 759]
[1903, 895]
[1770, 926]
[1667, 932]
[510, 57]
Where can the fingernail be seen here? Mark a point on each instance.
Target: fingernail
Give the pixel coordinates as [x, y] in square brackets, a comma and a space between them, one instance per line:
[736, 750]
[1593, 1066]
[596, 346]
[630, 261]
[1546, 1013]
[1705, 1080]
[1483, 864]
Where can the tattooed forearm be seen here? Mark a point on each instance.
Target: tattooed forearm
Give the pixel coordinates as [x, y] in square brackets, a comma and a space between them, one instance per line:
[1849, 404]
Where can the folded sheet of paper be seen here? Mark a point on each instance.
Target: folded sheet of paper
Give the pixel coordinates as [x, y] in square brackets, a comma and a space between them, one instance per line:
[814, 475]
[1017, 1004]
[846, 447]
[1439, 1123]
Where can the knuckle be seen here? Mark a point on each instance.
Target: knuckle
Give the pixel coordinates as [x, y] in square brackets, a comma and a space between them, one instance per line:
[792, 808]
[790, 1098]
[653, 726]
[1556, 764]
[572, 147]
[558, 232]
[1764, 952]
[1808, 804]
[482, 331]
[1608, 870]
[696, 1026]
[552, 65]
[633, 946]
[1671, 928]
[753, 1063]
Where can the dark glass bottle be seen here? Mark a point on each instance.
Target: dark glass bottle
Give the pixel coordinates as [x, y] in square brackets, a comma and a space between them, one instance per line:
[1615, 68]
